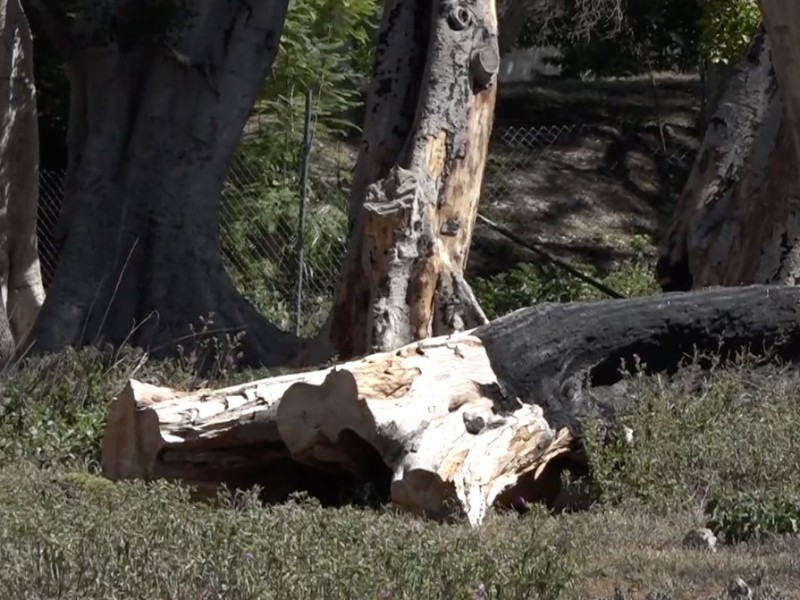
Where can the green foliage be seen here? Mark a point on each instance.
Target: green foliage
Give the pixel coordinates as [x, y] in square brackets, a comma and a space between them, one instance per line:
[260, 206]
[729, 435]
[743, 516]
[325, 49]
[726, 28]
[53, 409]
[528, 284]
[69, 535]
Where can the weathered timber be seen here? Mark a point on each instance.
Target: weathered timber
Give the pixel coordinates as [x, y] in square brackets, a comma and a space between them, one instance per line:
[554, 355]
[430, 417]
[450, 425]
[417, 179]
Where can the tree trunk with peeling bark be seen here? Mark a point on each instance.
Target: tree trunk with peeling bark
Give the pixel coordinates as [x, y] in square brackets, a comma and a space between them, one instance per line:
[447, 426]
[738, 220]
[22, 290]
[159, 100]
[417, 179]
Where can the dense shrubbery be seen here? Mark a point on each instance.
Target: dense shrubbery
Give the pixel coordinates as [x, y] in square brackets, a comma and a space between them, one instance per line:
[723, 442]
[528, 284]
[259, 238]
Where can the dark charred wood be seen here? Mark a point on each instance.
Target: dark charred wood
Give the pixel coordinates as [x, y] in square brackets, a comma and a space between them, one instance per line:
[555, 355]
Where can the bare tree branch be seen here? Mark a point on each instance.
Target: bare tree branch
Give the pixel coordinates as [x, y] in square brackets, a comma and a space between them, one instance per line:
[575, 20]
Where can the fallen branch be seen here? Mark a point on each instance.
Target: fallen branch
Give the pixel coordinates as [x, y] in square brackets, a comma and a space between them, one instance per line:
[439, 423]
[430, 417]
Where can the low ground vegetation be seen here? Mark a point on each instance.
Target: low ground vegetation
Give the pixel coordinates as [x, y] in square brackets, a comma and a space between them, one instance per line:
[716, 450]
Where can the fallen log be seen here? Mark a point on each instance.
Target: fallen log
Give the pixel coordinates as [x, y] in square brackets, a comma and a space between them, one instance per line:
[429, 415]
[447, 426]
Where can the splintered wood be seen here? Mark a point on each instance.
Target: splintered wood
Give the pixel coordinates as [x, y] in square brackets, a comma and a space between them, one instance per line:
[432, 415]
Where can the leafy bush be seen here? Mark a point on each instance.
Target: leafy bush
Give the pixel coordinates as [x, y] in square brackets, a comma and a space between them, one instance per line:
[74, 536]
[53, 409]
[743, 516]
[728, 435]
[528, 284]
[726, 29]
[259, 238]
[325, 50]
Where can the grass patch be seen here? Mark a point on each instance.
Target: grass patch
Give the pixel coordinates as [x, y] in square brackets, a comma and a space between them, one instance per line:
[528, 284]
[60, 537]
[700, 436]
[715, 449]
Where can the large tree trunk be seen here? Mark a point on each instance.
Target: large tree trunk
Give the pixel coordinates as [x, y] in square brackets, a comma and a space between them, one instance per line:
[155, 118]
[737, 220]
[22, 290]
[451, 425]
[782, 23]
[418, 177]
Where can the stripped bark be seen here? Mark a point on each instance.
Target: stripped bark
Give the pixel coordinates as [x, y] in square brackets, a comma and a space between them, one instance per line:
[447, 426]
[737, 220]
[435, 431]
[22, 290]
[418, 178]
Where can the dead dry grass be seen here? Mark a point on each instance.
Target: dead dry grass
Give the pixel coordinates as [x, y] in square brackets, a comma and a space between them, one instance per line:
[642, 554]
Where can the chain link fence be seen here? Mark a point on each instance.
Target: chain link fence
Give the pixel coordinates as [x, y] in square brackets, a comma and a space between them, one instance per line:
[519, 152]
[259, 225]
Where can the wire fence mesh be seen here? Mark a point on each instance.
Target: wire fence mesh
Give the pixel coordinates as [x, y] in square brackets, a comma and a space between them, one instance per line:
[259, 215]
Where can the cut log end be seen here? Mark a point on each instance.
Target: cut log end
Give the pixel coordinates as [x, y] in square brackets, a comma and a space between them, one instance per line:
[425, 417]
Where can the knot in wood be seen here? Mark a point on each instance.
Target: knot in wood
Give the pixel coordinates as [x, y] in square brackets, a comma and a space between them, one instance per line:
[484, 65]
[473, 423]
[459, 17]
[450, 227]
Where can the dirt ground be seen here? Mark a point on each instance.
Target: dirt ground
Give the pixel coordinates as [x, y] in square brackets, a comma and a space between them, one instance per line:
[580, 167]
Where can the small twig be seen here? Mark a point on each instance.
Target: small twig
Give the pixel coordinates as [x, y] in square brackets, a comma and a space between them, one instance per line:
[549, 257]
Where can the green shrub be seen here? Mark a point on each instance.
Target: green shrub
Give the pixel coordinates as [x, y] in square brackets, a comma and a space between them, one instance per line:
[747, 515]
[726, 29]
[53, 409]
[697, 436]
[325, 49]
[260, 241]
[528, 284]
[72, 536]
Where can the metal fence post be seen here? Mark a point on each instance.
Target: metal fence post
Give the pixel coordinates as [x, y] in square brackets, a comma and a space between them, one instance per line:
[301, 217]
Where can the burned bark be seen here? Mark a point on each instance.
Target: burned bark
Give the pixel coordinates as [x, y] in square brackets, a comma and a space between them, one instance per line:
[447, 426]
[418, 178]
[737, 220]
[155, 117]
[22, 290]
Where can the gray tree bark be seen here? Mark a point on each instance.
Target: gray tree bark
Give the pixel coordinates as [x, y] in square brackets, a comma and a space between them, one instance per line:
[22, 290]
[158, 105]
[418, 178]
[737, 220]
